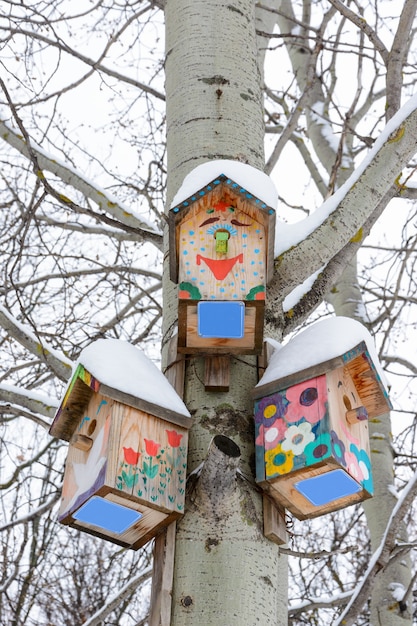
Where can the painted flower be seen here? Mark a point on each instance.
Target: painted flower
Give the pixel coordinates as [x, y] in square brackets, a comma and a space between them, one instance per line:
[365, 467]
[297, 437]
[151, 447]
[269, 409]
[352, 466]
[307, 400]
[269, 437]
[131, 456]
[318, 449]
[278, 461]
[174, 438]
[338, 448]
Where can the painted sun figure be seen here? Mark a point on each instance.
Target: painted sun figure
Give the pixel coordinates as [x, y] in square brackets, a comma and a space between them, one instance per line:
[231, 229]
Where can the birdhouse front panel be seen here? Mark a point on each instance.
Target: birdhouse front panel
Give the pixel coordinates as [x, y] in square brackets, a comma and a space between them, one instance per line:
[221, 242]
[312, 445]
[222, 251]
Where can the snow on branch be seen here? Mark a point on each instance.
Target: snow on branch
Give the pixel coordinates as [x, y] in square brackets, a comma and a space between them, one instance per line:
[300, 303]
[34, 401]
[310, 244]
[70, 176]
[339, 599]
[16, 409]
[381, 556]
[60, 364]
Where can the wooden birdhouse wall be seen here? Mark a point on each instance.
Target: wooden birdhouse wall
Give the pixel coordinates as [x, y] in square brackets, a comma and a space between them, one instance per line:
[136, 459]
[125, 472]
[233, 268]
[302, 432]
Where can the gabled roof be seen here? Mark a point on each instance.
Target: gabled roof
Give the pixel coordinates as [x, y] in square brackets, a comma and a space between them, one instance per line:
[323, 347]
[218, 185]
[120, 371]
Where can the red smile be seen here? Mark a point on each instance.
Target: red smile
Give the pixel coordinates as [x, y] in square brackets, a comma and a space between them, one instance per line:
[220, 267]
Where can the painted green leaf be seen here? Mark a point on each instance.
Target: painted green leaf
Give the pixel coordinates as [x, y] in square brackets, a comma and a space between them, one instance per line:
[130, 479]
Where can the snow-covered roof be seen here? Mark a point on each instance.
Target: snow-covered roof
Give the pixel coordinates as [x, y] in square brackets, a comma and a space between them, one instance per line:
[320, 344]
[251, 179]
[123, 372]
[122, 366]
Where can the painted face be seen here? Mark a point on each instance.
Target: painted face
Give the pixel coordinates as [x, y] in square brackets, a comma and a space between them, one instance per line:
[222, 255]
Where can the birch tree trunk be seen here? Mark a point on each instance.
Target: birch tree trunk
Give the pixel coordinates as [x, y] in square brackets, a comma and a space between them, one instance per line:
[226, 572]
[386, 603]
[387, 607]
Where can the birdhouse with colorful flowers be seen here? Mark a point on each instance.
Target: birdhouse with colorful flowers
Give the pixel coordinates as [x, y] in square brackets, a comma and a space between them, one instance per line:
[313, 407]
[127, 430]
[221, 226]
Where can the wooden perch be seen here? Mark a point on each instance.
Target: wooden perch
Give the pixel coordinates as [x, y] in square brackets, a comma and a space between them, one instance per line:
[217, 482]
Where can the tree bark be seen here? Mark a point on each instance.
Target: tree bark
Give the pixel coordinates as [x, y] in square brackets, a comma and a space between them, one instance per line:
[226, 571]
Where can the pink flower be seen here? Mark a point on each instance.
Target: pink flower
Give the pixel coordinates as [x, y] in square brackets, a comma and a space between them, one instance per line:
[353, 467]
[151, 447]
[131, 456]
[174, 438]
[307, 400]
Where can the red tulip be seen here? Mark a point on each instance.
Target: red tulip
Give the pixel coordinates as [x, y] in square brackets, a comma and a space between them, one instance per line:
[174, 438]
[131, 456]
[151, 447]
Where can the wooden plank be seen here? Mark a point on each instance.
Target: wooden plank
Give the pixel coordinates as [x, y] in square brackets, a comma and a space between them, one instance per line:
[168, 575]
[175, 370]
[275, 528]
[284, 493]
[343, 397]
[297, 377]
[69, 413]
[264, 358]
[370, 388]
[217, 373]
[189, 342]
[94, 423]
[148, 407]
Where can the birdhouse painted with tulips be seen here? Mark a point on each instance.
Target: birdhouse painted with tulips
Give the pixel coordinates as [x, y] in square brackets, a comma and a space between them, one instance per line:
[128, 434]
[221, 256]
[312, 419]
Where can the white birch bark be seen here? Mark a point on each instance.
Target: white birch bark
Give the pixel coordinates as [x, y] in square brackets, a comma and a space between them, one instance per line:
[226, 572]
[390, 582]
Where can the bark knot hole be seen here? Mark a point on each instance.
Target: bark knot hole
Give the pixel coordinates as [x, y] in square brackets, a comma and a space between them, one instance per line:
[227, 446]
[186, 601]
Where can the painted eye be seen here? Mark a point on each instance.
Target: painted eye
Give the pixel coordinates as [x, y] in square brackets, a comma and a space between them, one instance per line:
[209, 220]
[210, 211]
[308, 396]
[231, 209]
[237, 223]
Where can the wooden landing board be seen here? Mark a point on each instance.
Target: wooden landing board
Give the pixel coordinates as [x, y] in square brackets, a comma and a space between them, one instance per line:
[189, 342]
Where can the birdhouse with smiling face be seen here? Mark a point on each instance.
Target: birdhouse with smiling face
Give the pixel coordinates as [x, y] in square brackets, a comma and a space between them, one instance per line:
[221, 256]
[127, 430]
[312, 424]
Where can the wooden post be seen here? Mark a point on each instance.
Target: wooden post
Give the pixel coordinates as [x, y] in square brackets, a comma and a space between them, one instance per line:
[164, 545]
[217, 373]
[163, 577]
[275, 528]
